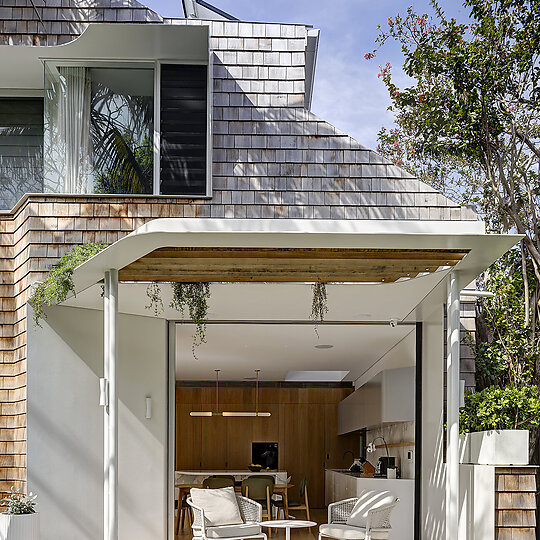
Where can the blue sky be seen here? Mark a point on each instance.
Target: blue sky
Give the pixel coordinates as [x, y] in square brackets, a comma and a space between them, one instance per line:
[347, 91]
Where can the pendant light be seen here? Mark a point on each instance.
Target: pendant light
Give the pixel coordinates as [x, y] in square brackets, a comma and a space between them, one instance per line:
[234, 413]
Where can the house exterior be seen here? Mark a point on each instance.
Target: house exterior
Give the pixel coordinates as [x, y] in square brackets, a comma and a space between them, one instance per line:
[221, 113]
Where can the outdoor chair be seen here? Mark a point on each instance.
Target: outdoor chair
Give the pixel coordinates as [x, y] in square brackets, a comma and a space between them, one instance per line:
[216, 481]
[248, 526]
[366, 517]
[302, 504]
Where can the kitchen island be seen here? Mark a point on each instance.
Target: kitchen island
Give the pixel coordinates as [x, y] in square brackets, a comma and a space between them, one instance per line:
[341, 484]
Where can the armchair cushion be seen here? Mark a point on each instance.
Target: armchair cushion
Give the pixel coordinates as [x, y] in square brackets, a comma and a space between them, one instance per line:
[219, 505]
[232, 531]
[368, 500]
[348, 532]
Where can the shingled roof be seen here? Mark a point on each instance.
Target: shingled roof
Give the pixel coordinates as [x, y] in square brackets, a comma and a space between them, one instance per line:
[272, 157]
[54, 22]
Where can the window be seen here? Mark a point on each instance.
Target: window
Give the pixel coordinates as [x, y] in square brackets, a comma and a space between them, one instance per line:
[21, 147]
[99, 130]
[183, 127]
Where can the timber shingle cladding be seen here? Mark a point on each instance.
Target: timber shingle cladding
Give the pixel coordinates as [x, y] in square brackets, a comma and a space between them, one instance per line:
[271, 158]
[55, 22]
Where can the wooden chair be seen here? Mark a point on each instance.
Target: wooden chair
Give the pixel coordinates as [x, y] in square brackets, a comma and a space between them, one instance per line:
[302, 504]
[217, 481]
[259, 489]
[184, 512]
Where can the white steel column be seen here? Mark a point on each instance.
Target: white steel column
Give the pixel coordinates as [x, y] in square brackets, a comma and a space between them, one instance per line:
[452, 409]
[113, 404]
[105, 407]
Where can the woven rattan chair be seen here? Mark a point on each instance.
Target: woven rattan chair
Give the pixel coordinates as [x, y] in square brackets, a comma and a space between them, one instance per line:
[375, 510]
[250, 511]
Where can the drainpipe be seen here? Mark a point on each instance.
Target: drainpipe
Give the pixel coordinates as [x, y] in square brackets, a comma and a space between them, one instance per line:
[452, 408]
[110, 480]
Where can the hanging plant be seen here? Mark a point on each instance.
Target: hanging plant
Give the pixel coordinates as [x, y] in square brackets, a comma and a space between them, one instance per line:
[58, 283]
[319, 304]
[195, 297]
[153, 291]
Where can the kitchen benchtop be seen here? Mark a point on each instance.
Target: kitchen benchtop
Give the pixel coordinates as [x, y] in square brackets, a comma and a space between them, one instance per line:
[346, 472]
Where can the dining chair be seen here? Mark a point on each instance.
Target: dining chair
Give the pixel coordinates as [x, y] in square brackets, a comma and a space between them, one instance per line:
[301, 504]
[217, 481]
[259, 489]
[184, 512]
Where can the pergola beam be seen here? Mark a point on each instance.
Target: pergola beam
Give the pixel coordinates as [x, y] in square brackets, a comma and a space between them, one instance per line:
[287, 265]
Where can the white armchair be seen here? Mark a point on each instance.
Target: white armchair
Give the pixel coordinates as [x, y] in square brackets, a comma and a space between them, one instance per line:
[369, 521]
[250, 511]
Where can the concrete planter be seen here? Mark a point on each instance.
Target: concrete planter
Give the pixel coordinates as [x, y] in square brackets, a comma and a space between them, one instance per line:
[497, 447]
[19, 527]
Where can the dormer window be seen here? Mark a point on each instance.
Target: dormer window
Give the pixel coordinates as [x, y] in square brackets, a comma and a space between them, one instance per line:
[100, 129]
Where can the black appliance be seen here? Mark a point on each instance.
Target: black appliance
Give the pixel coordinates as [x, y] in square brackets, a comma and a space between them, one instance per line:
[265, 454]
[384, 463]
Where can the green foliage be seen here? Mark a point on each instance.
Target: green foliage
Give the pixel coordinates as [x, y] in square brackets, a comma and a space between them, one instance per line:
[509, 351]
[470, 121]
[59, 281]
[19, 503]
[195, 297]
[153, 291]
[501, 408]
[319, 304]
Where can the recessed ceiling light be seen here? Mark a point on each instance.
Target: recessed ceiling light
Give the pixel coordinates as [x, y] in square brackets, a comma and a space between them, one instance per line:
[320, 347]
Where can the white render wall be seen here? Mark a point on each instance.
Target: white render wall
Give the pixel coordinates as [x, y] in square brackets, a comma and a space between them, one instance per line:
[65, 425]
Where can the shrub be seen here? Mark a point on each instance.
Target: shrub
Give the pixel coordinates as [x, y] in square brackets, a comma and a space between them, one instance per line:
[19, 503]
[59, 281]
[511, 407]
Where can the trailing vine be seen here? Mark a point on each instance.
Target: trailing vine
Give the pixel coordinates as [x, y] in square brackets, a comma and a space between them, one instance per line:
[58, 283]
[153, 291]
[319, 304]
[195, 297]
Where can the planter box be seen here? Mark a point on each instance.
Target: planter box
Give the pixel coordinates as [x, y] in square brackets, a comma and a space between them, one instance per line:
[502, 447]
[19, 527]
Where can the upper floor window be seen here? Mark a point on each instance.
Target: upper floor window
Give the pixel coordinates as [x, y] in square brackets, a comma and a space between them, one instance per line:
[99, 134]
[98, 130]
[21, 147]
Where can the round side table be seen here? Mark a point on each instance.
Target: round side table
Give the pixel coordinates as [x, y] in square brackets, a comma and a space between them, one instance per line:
[288, 524]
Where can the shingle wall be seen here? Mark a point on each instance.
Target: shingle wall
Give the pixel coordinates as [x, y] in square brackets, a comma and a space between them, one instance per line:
[54, 22]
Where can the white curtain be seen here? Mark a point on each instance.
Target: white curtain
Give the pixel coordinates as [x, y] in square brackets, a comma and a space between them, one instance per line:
[67, 152]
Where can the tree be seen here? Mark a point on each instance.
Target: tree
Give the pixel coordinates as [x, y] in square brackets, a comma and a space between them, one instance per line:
[469, 124]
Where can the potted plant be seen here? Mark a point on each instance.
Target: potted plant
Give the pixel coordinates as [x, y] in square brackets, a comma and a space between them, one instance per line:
[20, 521]
[496, 423]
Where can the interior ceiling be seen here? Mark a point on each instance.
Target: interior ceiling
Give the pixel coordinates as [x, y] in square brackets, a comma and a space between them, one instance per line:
[276, 349]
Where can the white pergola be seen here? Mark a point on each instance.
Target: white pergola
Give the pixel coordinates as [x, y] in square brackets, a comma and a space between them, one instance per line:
[344, 240]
